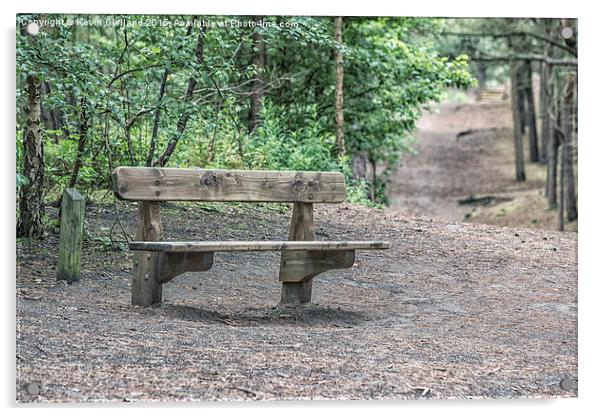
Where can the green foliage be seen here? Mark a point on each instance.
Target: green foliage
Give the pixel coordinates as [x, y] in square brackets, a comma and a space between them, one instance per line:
[358, 191]
[114, 72]
[276, 146]
[21, 180]
[107, 244]
[391, 81]
[51, 223]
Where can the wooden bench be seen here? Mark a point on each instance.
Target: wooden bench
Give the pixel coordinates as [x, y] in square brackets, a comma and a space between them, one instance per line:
[157, 262]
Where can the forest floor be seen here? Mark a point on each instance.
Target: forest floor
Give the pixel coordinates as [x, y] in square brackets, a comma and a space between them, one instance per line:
[464, 150]
[452, 310]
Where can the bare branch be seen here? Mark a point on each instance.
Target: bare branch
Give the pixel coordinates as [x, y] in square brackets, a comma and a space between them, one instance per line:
[513, 34]
[526, 57]
[129, 71]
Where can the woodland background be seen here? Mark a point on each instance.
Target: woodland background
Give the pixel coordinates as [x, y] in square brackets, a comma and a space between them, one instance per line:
[269, 92]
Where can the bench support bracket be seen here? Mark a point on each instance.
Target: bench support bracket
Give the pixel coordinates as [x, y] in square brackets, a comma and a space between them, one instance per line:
[298, 268]
[172, 264]
[301, 266]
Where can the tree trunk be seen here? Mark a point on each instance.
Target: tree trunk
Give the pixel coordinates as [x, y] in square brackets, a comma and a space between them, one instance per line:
[257, 86]
[373, 180]
[31, 196]
[156, 117]
[481, 78]
[128, 140]
[531, 116]
[545, 97]
[544, 104]
[358, 165]
[519, 157]
[184, 116]
[561, 199]
[84, 124]
[553, 156]
[567, 128]
[568, 116]
[338, 37]
[552, 164]
[521, 100]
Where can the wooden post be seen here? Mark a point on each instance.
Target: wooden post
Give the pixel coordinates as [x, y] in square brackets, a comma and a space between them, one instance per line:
[301, 229]
[146, 289]
[72, 229]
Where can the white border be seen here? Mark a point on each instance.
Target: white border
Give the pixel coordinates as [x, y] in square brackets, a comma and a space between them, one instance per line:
[590, 97]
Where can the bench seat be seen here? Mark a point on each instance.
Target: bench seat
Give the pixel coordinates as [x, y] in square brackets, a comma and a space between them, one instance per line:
[212, 246]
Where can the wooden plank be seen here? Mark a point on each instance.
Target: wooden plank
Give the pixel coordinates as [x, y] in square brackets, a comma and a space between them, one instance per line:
[301, 266]
[212, 246]
[302, 228]
[146, 288]
[169, 184]
[73, 207]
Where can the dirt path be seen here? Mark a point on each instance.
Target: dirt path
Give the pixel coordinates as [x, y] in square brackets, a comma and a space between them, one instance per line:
[451, 310]
[463, 150]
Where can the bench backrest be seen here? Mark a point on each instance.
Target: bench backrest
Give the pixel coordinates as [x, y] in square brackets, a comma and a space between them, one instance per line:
[172, 184]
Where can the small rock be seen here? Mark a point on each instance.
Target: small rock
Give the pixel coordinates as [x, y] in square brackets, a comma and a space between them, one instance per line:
[33, 389]
[567, 384]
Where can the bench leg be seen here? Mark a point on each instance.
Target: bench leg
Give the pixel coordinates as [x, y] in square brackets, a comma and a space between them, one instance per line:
[146, 289]
[296, 293]
[301, 229]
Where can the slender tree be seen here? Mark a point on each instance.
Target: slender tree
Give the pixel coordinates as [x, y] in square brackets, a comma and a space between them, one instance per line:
[544, 103]
[185, 115]
[554, 141]
[568, 156]
[31, 197]
[544, 95]
[521, 98]
[519, 157]
[569, 117]
[338, 37]
[481, 75]
[84, 126]
[562, 180]
[258, 58]
[530, 113]
[156, 118]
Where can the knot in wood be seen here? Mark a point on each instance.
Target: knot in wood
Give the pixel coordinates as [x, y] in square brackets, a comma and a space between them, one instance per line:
[315, 186]
[209, 179]
[298, 185]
